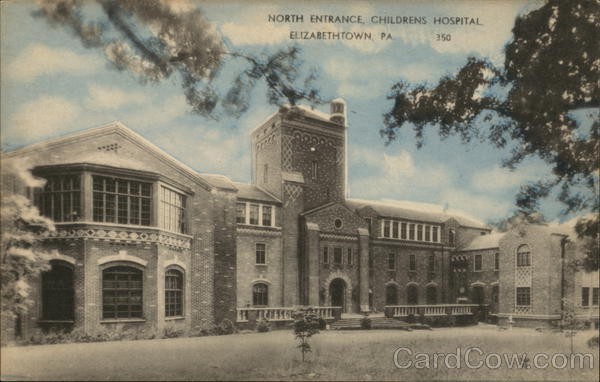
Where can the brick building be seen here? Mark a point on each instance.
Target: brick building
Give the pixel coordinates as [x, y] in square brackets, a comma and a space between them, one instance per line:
[143, 240]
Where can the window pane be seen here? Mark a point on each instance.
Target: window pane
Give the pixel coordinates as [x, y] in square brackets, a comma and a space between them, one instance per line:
[241, 213]
[172, 210]
[122, 295]
[254, 214]
[266, 216]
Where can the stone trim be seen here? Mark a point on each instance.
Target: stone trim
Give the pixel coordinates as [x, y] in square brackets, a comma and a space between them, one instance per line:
[122, 256]
[259, 232]
[55, 255]
[123, 234]
[332, 236]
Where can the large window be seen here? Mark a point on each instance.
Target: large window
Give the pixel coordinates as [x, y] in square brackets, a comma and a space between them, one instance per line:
[121, 201]
[60, 199]
[595, 296]
[523, 256]
[496, 261]
[349, 256]
[325, 255]
[173, 293]
[172, 210]
[260, 294]
[122, 291]
[523, 296]
[58, 293]
[261, 253]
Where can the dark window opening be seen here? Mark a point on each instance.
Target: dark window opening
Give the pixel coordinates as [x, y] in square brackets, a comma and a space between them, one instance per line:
[173, 293]
[122, 288]
[260, 295]
[58, 293]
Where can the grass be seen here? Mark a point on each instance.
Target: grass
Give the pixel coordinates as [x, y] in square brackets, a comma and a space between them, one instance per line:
[337, 355]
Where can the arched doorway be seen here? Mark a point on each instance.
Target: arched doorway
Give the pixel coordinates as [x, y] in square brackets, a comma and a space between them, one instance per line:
[431, 295]
[412, 295]
[337, 291]
[391, 295]
[477, 296]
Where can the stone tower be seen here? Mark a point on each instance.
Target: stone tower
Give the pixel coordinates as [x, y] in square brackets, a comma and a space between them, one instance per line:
[299, 156]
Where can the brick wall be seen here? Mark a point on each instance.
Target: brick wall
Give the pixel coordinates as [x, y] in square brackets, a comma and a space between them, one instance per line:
[248, 271]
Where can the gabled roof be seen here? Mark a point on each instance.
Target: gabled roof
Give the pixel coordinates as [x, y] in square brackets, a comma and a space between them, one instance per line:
[253, 192]
[484, 242]
[415, 211]
[119, 128]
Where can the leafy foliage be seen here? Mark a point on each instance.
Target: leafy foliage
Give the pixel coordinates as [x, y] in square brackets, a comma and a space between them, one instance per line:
[306, 324]
[155, 40]
[22, 259]
[533, 104]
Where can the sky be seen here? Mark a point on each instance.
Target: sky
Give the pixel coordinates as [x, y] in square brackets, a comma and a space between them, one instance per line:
[52, 86]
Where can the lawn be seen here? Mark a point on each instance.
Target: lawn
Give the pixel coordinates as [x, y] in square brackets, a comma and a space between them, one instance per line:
[337, 355]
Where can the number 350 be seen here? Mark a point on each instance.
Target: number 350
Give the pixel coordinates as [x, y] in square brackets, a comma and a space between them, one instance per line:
[443, 37]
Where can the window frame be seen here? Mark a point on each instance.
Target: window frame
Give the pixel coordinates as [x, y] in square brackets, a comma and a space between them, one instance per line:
[260, 298]
[523, 258]
[177, 293]
[66, 293]
[135, 270]
[391, 261]
[41, 195]
[519, 297]
[412, 262]
[257, 251]
[338, 251]
[116, 206]
[585, 297]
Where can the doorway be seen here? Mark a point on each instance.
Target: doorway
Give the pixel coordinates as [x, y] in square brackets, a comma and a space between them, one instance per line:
[337, 291]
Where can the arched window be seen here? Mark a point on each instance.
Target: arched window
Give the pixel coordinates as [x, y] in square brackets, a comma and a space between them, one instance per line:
[412, 295]
[173, 293]
[260, 294]
[122, 292]
[523, 256]
[391, 295]
[431, 295]
[58, 293]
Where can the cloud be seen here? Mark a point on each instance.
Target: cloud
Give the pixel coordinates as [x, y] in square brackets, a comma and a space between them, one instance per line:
[101, 97]
[497, 179]
[40, 60]
[366, 78]
[158, 114]
[43, 117]
[482, 206]
[397, 176]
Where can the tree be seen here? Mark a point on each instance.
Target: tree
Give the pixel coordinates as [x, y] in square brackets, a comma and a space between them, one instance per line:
[154, 41]
[533, 104]
[22, 259]
[306, 324]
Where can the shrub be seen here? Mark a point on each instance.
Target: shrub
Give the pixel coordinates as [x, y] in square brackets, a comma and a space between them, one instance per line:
[411, 319]
[263, 326]
[594, 342]
[365, 323]
[322, 323]
[171, 332]
[226, 327]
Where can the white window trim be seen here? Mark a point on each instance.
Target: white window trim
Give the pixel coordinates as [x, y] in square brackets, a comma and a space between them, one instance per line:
[408, 225]
[260, 214]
